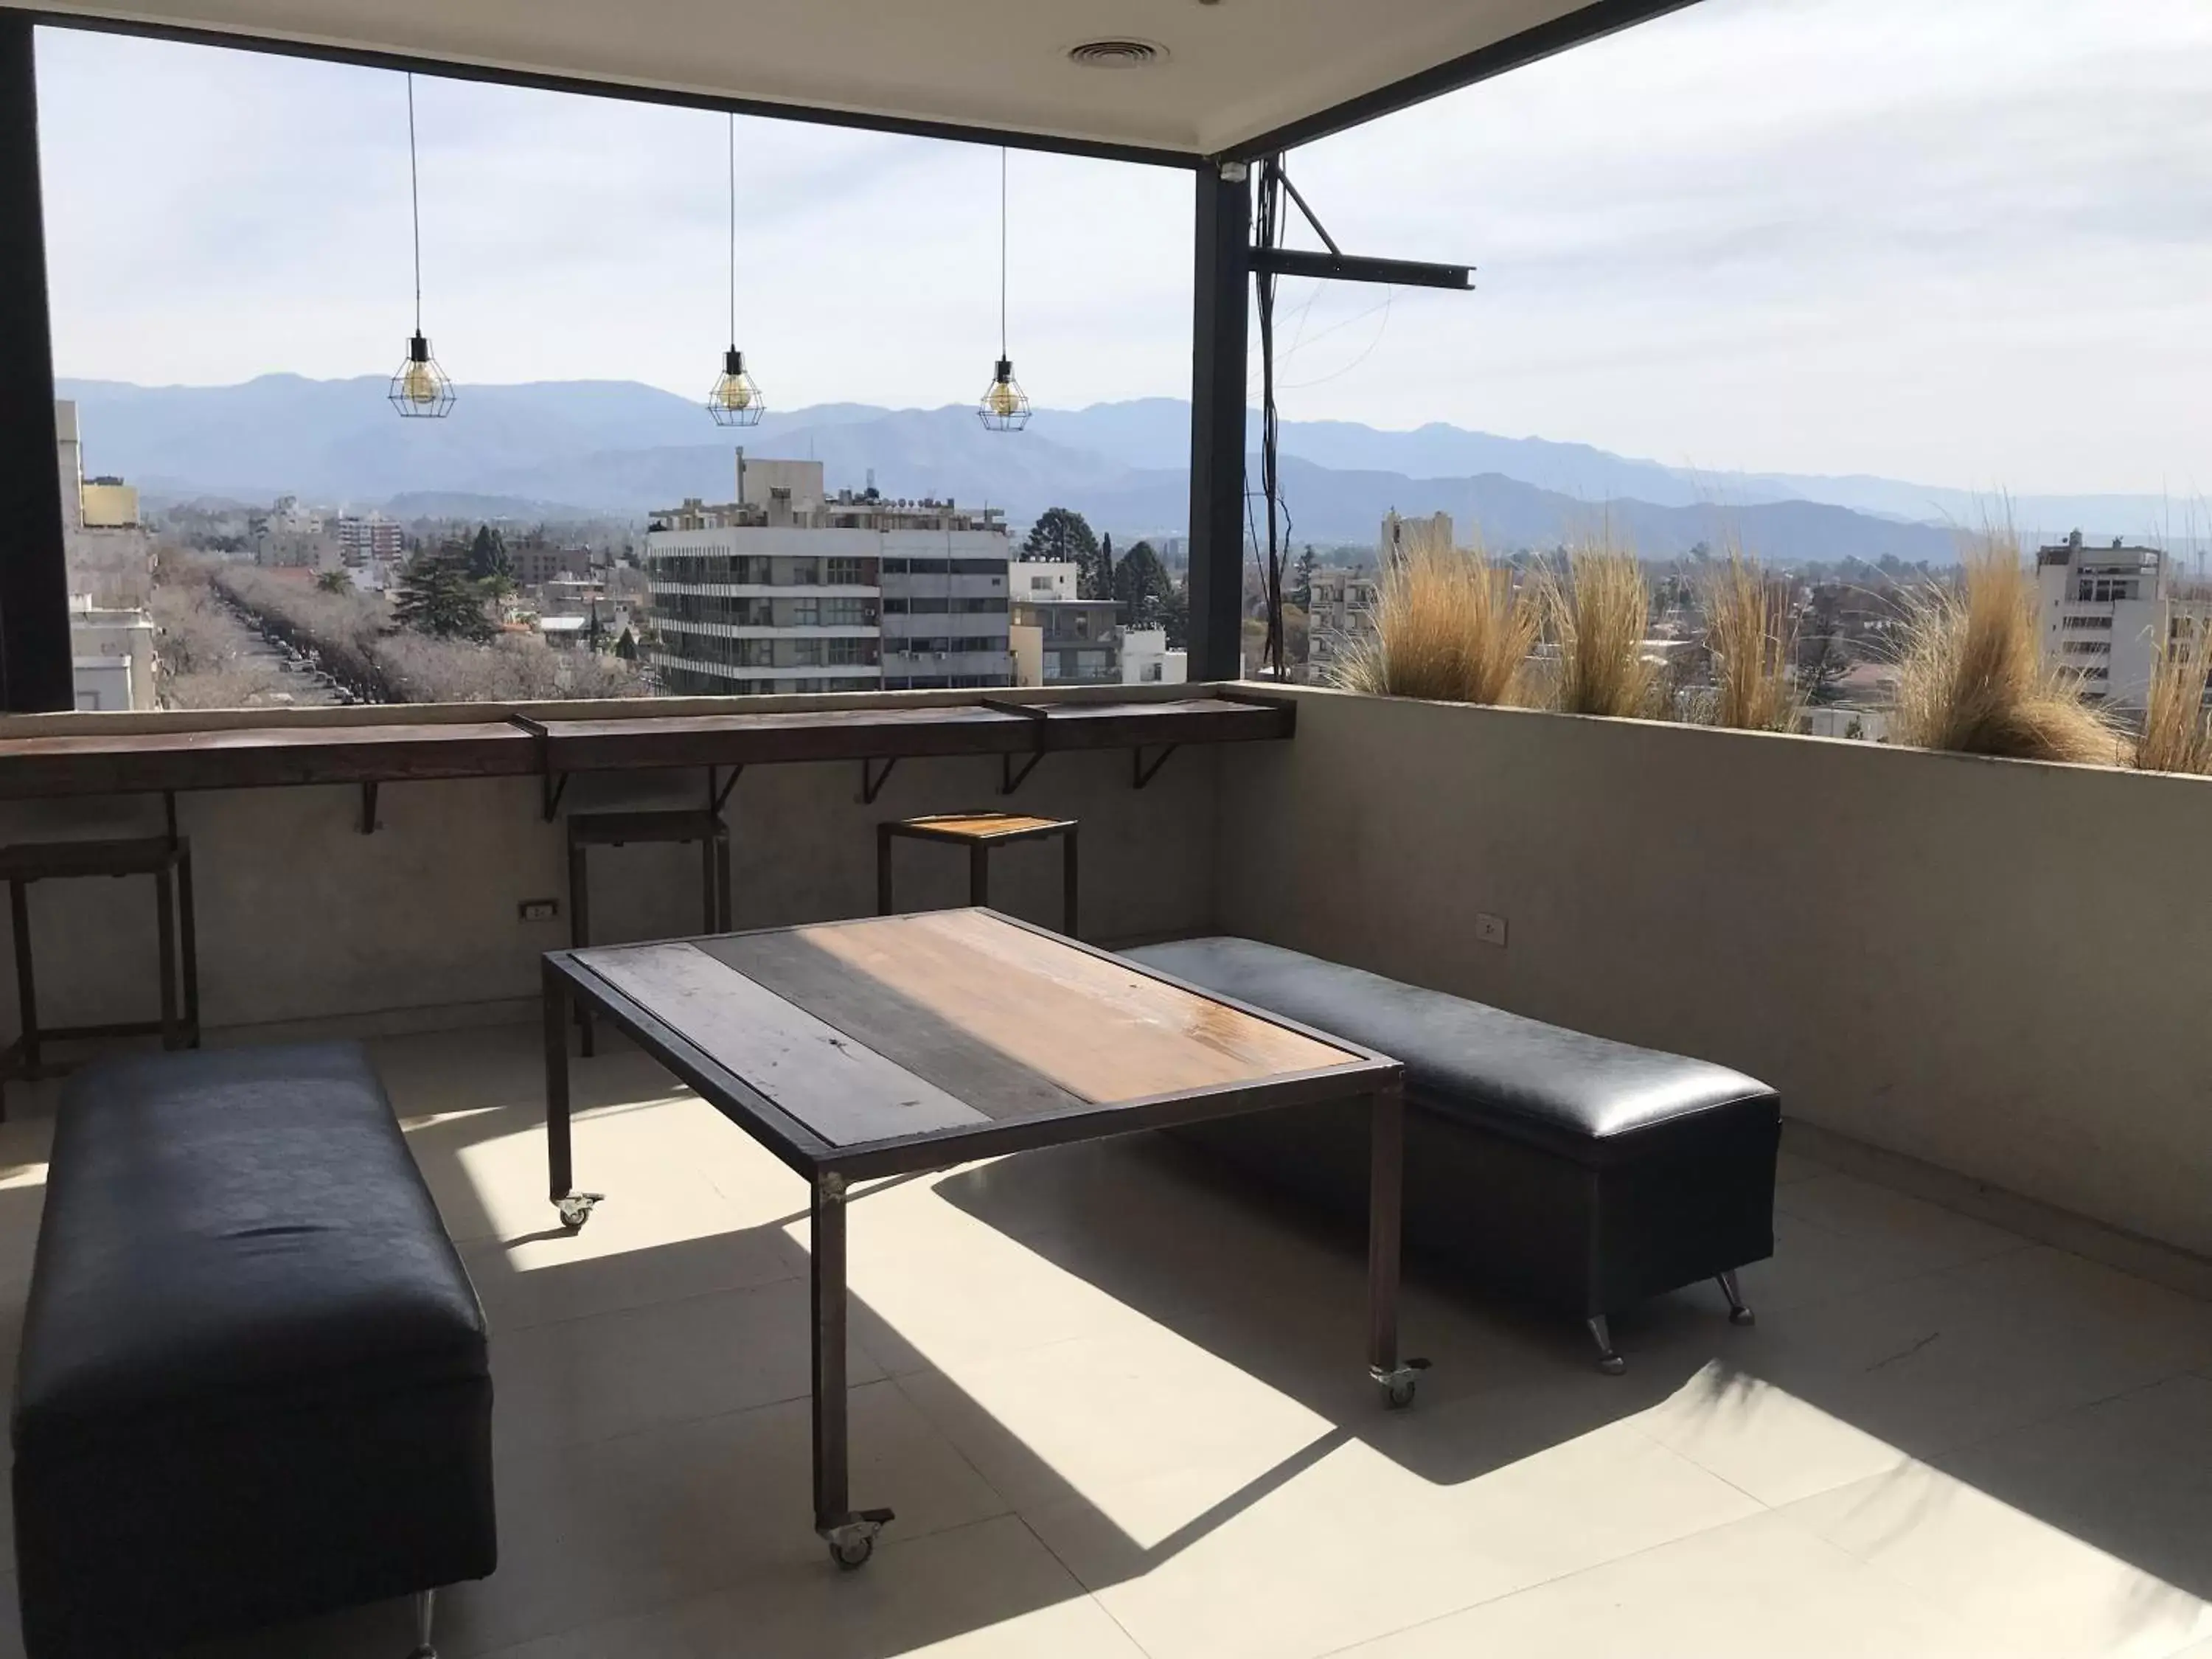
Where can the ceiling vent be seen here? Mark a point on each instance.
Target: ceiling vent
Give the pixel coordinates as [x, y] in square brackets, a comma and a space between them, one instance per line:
[1117, 54]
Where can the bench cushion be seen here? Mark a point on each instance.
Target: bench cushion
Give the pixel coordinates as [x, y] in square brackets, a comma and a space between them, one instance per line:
[1582, 1097]
[232, 1224]
[254, 1385]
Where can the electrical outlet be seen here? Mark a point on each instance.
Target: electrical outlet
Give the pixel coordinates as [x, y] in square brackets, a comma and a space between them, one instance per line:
[1490, 930]
[538, 909]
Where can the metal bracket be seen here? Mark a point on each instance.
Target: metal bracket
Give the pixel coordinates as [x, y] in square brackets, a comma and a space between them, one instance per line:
[716, 800]
[551, 787]
[1009, 778]
[1142, 774]
[871, 784]
[368, 811]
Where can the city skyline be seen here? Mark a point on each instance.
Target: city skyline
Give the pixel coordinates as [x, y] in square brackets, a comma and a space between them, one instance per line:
[1808, 237]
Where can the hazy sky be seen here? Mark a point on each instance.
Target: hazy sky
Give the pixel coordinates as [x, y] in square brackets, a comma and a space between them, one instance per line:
[1967, 243]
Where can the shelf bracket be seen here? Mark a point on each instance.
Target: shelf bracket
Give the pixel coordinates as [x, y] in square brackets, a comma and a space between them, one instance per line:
[717, 799]
[1142, 774]
[1009, 778]
[872, 783]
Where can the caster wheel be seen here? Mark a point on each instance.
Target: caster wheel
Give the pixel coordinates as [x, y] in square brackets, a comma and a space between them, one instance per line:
[1400, 1395]
[851, 1554]
[1742, 1317]
[576, 1209]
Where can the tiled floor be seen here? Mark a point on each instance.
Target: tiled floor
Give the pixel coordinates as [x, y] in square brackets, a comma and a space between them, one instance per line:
[1118, 1405]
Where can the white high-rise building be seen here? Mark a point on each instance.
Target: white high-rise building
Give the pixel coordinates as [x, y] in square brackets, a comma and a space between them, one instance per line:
[788, 589]
[2104, 609]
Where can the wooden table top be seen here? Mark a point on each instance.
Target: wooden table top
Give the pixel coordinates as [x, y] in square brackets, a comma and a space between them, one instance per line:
[953, 1025]
[978, 826]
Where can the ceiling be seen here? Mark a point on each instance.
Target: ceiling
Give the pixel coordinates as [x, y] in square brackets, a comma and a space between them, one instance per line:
[1229, 72]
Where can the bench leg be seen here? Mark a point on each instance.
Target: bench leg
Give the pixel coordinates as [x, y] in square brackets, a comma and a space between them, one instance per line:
[1608, 1358]
[1739, 1311]
[426, 1611]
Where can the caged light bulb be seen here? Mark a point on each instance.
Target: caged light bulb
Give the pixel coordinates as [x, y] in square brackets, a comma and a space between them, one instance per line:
[419, 387]
[1005, 408]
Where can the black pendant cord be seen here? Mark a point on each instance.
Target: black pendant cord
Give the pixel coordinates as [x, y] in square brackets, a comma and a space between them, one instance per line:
[734, 230]
[414, 202]
[1002, 251]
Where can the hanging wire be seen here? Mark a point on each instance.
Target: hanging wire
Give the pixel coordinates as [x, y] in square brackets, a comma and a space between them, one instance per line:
[415, 201]
[734, 230]
[1002, 250]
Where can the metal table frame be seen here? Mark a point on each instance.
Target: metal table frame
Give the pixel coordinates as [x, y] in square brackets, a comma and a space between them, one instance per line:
[830, 1171]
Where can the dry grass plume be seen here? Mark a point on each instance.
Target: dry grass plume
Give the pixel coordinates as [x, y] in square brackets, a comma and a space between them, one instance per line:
[1972, 678]
[2176, 737]
[1448, 627]
[1753, 638]
[1593, 618]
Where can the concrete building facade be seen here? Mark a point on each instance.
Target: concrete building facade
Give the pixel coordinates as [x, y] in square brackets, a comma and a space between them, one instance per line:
[788, 589]
[2105, 611]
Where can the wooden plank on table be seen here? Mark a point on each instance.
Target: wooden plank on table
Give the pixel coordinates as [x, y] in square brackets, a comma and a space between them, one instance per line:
[1102, 1030]
[843, 1091]
[978, 826]
[919, 1038]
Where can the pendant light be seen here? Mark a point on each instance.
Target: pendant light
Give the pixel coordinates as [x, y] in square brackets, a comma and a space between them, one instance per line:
[420, 389]
[1004, 407]
[735, 400]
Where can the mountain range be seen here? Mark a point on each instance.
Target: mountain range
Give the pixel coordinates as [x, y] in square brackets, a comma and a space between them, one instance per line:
[553, 449]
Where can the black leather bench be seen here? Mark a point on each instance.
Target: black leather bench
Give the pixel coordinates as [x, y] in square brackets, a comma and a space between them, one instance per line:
[1566, 1169]
[254, 1384]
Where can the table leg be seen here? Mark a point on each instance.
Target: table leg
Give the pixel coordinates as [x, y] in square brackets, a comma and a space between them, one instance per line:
[165, 932]
[883, 869]
[575, 1207]
[851, 1536]
[1068, 889]
[1386, 1180]
[979, 874]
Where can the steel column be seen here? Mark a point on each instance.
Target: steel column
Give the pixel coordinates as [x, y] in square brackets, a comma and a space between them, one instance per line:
[35, 675]
[1218, 334]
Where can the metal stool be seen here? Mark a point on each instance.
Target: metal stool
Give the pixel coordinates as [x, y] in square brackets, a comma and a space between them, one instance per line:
[169, 861]
[979, 832]
[589, 829]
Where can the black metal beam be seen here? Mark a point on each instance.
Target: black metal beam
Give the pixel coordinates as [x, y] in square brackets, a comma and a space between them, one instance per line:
[1220, 318]
[1575, 28]
[35, 675]
[1352, 268]
[585, 86]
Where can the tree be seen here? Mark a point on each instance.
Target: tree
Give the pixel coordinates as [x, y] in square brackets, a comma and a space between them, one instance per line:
[487, 556]
[1142, 586]
[1098, 583]
[1175, 616]
[334, 581]
[1065, 536]
[438, 597]
[626, 646]
[1301, 580]
[1822, 661]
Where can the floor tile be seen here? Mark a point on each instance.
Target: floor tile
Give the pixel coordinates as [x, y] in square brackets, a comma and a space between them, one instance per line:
[581, 1381]
[1346, 1541]
[987, 1591]
[2030, 1587]
[1757, 1589]
[1908, 1234]
[1772, 1443]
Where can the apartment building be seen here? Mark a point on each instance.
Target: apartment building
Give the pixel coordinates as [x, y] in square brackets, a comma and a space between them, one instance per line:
[366, 537]
[788, 589]
[1340, 615]
[2104, 610]
[1066, 642]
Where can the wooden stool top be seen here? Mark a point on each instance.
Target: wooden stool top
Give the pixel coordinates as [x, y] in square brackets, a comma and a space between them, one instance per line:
[613, 828]
[40, 860]
[971, 827]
